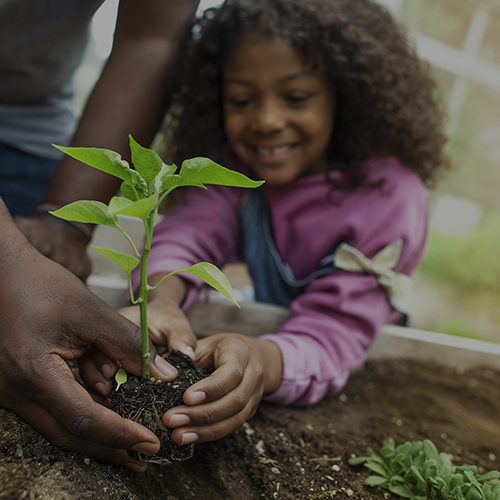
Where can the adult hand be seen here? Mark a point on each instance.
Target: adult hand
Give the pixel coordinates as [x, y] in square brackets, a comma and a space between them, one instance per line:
[48, 317]
[245, 369]
[58, 241]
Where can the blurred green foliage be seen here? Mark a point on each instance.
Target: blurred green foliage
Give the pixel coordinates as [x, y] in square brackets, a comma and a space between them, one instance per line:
[458, 328]
[470, 263]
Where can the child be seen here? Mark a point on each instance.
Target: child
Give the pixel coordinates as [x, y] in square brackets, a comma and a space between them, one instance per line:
[327, 102]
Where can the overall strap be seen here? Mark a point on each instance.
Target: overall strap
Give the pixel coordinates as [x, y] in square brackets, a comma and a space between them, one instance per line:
[274, 281]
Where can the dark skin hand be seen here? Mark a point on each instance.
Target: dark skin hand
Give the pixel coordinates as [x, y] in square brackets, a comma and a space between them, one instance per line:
[130, 97]
[48, 317]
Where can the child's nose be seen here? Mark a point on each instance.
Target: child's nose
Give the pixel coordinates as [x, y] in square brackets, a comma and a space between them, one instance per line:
[268, 118]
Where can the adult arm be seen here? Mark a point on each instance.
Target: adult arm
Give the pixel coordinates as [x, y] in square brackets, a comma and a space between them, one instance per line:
[48, 317]
[130, 98]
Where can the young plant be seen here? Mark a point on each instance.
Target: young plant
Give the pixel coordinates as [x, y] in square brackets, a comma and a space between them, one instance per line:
[416, 470]
[144, 188]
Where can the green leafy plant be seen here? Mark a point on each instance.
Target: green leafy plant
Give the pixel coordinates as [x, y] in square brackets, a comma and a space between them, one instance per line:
[144, 188]
[416, 470]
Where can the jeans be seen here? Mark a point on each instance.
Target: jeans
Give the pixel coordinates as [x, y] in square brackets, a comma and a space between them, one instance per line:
[23, 179]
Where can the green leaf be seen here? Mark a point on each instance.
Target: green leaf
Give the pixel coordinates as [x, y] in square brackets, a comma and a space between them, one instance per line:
[416, 474]
[127, 262]
[357, 460]
[107, 161]
[376, 481]
[416, 446]
[430, 450]
[489, 476]
[473, 494]
[445, 493]
[166, 172]
[456, 481]
[146, 161]
[445, 465]
[379, 469]
[389, 443]
[404, 449]
[129, 192]
[469, 468]
[92, 212]
[140, 208]
[401, 490]
[213, 276]
[120, 377]
[471, 477]
[201, 171]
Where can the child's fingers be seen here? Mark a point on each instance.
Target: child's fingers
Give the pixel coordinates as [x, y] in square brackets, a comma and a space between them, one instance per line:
[230, 357]
[221, 403]
[177, 336]
[211, 430]
[216, 419]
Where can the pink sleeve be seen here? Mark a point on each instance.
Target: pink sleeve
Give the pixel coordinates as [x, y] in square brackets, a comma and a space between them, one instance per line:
[339, 316]
[203, 228]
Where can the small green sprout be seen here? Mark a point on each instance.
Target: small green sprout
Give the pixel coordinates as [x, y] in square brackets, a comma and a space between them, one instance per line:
[144, 188]
[416, 470]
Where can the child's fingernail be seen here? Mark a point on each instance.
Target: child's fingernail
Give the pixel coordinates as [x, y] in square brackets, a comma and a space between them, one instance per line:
[167, 370]
[189, 437]
[146, 448]
[178, 419]
[197, 397]
[100, 387]
[107, 371]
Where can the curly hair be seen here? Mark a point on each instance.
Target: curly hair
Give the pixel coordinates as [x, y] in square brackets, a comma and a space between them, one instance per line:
[386, 98]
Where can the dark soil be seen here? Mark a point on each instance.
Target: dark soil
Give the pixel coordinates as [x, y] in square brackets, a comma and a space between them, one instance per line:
[145, 401]
[284, 452]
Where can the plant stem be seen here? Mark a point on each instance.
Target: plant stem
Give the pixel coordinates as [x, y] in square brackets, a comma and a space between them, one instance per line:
[143, 295]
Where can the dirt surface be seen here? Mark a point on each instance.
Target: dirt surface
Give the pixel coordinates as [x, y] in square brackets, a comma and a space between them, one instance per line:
[284, 453]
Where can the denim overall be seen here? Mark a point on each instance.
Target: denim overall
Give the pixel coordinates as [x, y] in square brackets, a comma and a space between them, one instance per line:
[273, 279]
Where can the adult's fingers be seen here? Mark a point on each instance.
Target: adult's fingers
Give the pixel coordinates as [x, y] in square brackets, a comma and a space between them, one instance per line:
[74, 411]
[57, 240]
[43, 422]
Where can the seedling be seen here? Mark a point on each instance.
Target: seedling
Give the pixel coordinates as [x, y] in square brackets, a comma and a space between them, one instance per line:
[143, 191]
[416, 470]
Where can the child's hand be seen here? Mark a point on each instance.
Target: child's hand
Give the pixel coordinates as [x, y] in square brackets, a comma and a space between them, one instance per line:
[168, 326]
[245, 369]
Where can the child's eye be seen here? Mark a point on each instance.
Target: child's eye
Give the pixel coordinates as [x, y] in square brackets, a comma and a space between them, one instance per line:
[297, 98]
[239, 102]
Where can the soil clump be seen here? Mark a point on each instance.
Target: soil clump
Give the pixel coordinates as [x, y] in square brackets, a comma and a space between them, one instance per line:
[145, 401]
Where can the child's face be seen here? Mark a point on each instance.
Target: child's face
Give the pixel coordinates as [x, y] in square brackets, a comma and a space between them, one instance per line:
[278, 112]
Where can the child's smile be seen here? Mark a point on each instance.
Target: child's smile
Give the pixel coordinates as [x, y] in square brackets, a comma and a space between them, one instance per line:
[278, 111]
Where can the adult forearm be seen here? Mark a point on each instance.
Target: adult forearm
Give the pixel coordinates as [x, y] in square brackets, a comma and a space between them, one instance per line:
[128, 99]
[131, 95]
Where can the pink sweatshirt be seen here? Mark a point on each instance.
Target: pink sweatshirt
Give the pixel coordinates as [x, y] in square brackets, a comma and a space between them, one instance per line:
[339, 315]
